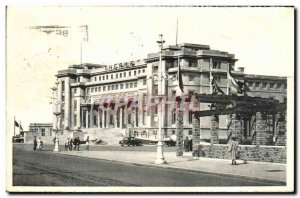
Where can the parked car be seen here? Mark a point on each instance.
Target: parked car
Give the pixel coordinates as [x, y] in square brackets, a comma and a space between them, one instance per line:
[130, 141]
[169, 142]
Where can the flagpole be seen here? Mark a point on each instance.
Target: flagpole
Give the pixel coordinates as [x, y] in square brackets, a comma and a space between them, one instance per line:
[228, 79]
[14, 126]
[210, 76]
[80, 52]
[177, 32]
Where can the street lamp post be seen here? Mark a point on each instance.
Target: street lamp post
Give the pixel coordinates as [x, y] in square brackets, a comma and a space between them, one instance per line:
[160, 159]
[56, 112]
[56, 141]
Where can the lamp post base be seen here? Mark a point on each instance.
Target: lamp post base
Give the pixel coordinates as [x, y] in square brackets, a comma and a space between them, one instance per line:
[160, 159]
[56, 147]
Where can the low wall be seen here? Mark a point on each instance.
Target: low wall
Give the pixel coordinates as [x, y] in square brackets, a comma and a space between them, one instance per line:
[276, 154]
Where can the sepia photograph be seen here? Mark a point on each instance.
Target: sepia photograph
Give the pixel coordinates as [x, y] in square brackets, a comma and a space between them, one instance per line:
[147, 99]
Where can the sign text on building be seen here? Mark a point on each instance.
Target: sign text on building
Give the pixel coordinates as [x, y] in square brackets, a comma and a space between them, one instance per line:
[120, 66]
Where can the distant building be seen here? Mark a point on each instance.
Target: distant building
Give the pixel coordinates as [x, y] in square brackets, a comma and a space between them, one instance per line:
[41, 129]
[80, 88]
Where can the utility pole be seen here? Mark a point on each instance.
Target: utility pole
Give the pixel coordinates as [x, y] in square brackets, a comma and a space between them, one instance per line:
[160, 159]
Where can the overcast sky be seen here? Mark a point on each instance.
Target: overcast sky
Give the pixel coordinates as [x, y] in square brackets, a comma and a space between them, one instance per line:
[261, 38]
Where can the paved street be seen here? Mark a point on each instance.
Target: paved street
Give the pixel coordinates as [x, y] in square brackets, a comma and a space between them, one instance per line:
[45, 168]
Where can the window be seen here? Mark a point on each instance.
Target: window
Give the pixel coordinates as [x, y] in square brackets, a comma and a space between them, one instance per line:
[111, 119]
[78, 79]
[143, 70]
[135, 84]
[134, 73]
[191, 78]
[126, 85]
[75, 105]
[264, 85]
[271, 85]
[124, 74]
[285, 86]
[108, 87]
[129, 74]
[92, 90]
[106, 77]
[99, 88]
[155, 109]
[191, 93]
[192, 63]
[43, 131]
[111, 76]
[112, 87]
[139, 71]
[104, 88]
[116, 75]
[278, 86]
[75, 120]
[173, 116]
[257, 85]
[131, 85]
[95, 120]
[120, 75]
[99, 78]
[190, 132]
[63, 86]
[95, 78]
[103, 77]
[117, 87]
[121, 86]
[173, 132]
[75, 90]
[216, 65]
[144, 81]
[87, 90]
[129, 118]
[190, 117]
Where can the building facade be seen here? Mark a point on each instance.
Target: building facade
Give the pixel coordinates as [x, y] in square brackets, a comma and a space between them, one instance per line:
[83, 89]
[41, 129]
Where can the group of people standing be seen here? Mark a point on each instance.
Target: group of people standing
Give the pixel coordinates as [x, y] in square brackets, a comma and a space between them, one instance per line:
[37, 144]
[74, 144]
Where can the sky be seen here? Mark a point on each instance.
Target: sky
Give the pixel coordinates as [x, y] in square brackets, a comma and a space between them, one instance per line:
[261, 38]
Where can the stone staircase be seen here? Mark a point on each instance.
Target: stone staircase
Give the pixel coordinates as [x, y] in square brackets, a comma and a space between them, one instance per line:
[110, 136]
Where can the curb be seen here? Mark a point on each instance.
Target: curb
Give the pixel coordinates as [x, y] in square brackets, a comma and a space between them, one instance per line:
[185, 169]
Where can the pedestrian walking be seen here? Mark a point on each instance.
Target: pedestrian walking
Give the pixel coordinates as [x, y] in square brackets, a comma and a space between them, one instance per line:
[233, 149]
[67, 145]
[75, 143]
[71, 144]
[191, 145]
[78, 143]
[39, 142]
[87, 142]
[186, 144]
[34, 143]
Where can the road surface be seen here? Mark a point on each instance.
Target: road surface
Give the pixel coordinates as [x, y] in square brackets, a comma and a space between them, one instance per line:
[45, 168]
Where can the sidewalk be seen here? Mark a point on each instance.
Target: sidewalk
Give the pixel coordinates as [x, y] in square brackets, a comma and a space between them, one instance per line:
[257, 170]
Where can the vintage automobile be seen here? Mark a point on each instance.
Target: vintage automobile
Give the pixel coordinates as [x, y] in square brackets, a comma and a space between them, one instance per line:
[130, 141]
[169, 142]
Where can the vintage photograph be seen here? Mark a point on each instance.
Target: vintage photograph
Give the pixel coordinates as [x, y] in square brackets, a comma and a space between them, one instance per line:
[149, 99]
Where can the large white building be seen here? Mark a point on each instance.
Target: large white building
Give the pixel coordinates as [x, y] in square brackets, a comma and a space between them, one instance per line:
[84, 89]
